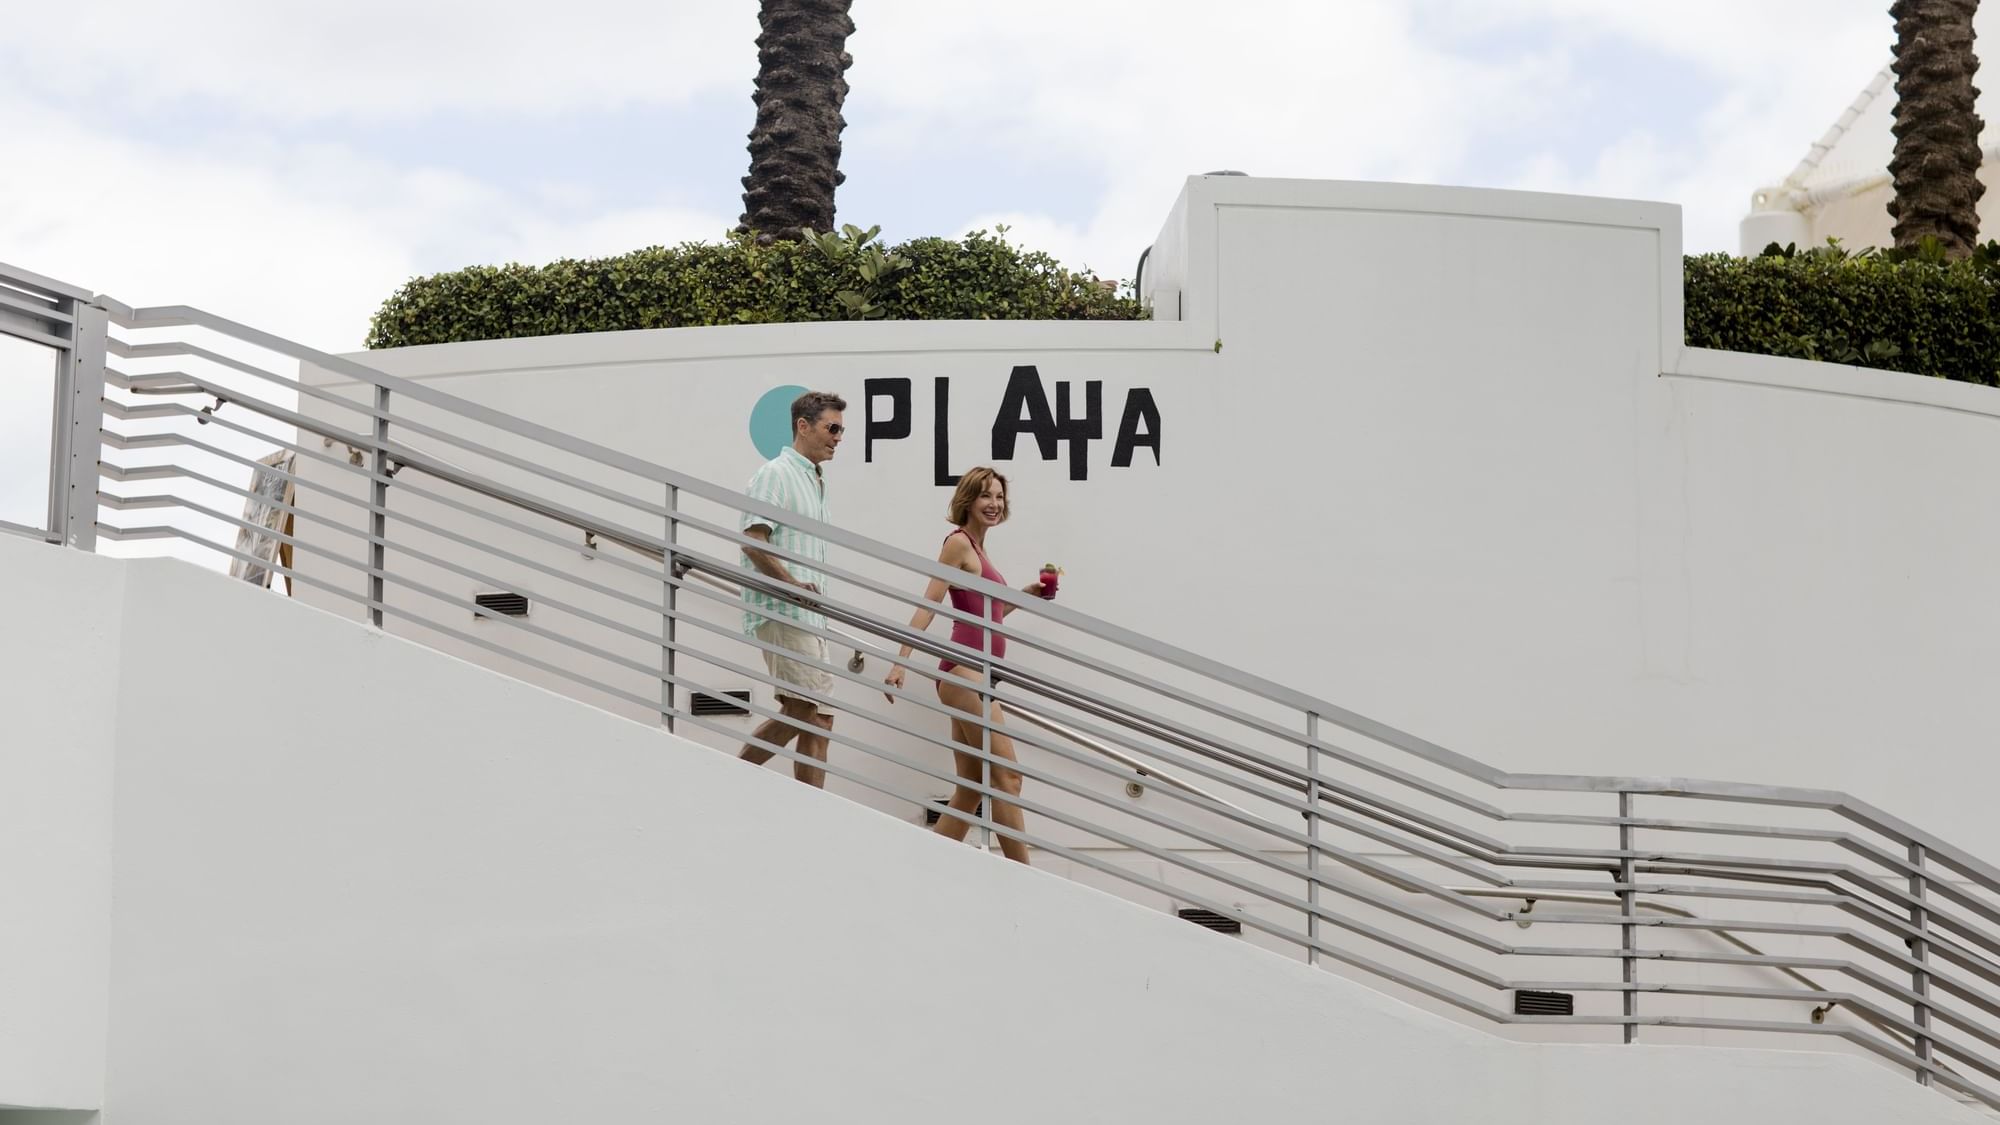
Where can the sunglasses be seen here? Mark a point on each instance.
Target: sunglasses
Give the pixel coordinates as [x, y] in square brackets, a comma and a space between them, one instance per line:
[835, 428]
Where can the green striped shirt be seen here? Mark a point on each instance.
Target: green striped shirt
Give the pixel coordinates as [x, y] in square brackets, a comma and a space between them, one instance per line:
[791, 482]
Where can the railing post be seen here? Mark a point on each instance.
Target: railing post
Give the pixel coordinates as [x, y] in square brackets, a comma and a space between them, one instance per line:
[1312, 837]
[83, 440]
[378, 510]
[1627, 906]
[985, 726]
[668, 649]
[1920, 979]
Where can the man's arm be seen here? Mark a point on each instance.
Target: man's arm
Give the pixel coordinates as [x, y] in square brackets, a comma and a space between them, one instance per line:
[770, 565]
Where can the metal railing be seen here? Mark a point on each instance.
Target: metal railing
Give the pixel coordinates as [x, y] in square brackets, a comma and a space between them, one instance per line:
[1358, 845]
[60, 321]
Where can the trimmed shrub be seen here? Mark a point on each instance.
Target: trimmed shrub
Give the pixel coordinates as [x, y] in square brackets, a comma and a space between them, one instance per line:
[1905, 311]
[840, 275]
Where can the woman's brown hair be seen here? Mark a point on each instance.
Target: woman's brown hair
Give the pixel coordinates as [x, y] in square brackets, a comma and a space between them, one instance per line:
[970, 487]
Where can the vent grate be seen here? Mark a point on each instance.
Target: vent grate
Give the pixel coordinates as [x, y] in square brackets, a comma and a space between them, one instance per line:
[1528, 1002]
[727, 703]
[1209, 919]
[502, 604]
[939, 804]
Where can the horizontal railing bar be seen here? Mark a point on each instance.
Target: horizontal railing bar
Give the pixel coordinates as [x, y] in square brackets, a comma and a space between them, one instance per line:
[37, 309]
[140, 472]
[33, 282]
[144, 441]
[21, 327]
[138, 534]
[1816, 835]
[23, 529]
[152, 382]
[128, 412]
[137, 503]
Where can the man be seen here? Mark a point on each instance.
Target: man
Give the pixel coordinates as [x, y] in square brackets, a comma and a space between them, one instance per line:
[795, 481]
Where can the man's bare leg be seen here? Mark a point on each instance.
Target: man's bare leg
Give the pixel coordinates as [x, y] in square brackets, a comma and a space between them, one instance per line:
[780, 733]
[813, 746]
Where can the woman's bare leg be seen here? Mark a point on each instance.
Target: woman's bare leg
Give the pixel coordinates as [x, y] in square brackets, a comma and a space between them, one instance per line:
[969, 767]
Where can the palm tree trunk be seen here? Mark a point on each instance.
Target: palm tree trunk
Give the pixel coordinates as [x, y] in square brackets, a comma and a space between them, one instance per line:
[795, 146]
[1936, 167]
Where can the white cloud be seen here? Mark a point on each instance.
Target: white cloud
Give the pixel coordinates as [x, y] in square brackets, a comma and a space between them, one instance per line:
[301, 240]
[386, 59]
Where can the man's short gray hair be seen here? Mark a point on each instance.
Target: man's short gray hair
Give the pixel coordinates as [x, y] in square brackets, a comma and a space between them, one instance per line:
[809, 406]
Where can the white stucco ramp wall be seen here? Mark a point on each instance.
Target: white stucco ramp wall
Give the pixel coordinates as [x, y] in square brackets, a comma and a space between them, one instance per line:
[358, 880]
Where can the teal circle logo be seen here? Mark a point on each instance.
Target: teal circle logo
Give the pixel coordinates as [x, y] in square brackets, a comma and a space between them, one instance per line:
[771, 420]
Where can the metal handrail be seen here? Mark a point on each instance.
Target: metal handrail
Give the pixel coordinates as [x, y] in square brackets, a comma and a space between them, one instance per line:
[1946, 949]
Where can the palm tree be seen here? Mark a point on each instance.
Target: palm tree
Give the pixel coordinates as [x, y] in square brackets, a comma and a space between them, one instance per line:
[1936, 166]
[795, 145]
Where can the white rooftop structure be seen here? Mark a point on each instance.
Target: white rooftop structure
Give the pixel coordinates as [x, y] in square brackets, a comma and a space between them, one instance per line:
[1840, 187]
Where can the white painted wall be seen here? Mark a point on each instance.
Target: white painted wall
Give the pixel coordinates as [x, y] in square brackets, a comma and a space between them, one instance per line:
[417, 891]
[55, 819]
[1521, 519]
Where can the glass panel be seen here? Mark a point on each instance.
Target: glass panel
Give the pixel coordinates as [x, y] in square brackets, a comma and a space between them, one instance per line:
[27, 421]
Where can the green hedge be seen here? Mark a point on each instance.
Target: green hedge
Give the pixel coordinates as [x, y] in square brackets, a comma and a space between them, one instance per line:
[1906, 311]
[1911, 311]
[843, 275]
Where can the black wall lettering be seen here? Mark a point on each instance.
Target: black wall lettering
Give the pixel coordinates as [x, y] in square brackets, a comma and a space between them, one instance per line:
[896, 425]
[1139, 410]
[1024, 409]
[941, 474]
[1080, 432]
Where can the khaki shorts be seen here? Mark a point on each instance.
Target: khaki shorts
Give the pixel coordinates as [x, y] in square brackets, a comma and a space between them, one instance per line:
[813, 684]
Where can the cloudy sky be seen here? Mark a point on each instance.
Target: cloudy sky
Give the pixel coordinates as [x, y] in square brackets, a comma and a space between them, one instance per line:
[289, 164]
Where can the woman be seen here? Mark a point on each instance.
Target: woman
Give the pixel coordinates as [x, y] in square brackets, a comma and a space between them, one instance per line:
[979, 506]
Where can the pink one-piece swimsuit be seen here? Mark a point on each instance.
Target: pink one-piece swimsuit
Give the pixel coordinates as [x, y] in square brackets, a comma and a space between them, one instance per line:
[974, 605]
